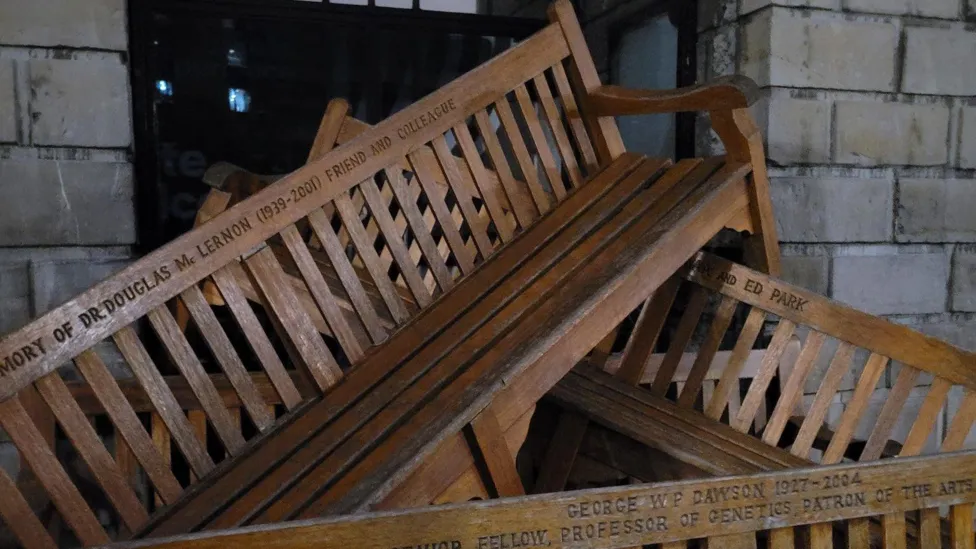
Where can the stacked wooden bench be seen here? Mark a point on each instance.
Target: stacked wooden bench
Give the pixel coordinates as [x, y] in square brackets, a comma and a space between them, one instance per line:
[380, 414]
[704, 434]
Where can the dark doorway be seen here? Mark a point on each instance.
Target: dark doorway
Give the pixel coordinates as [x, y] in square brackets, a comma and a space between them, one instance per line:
[247, 81]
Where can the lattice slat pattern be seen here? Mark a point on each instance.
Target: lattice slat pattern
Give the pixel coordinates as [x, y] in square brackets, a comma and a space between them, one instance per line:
[326, 264]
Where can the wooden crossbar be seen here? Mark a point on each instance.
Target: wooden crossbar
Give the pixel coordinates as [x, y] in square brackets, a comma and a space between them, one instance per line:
[620, 517]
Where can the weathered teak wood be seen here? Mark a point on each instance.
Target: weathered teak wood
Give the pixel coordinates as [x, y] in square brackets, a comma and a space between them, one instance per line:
[618, 517]
[478, 279]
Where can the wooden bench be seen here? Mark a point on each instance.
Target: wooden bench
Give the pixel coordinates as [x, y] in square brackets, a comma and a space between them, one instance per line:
[703, 434]
[523, 292]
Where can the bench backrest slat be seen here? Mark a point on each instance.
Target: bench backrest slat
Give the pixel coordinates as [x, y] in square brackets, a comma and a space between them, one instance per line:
[836, 340]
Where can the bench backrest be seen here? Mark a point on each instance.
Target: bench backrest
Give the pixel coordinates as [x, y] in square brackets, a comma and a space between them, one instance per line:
[834, 338]
[127, 319]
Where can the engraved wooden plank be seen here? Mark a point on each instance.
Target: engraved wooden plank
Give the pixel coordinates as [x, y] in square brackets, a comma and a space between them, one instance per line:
[539, 139]
[128, 425]
[19, 517]
[504, 111]
[682, 335]
[180, 352]
[648, 328]
[226, 356]
[896, 341]
[92, 451]
[566, 519]
[852, 414]
[706, 351]
[501, 466]
[729, 382]
[347, 275]
[558, 131]
[839, 365]
[475, 224]
[889, 414]
[163, 400]
[321, 293]
[435, 199]
[65, 496]
[314, 355]
[520, 200]
[258, 340]
[167, 271]
[757, 389]
[490, 189]
[793, 388]
[926, 417]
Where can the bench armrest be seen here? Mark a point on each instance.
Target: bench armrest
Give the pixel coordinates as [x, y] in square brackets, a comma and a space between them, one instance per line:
[726, 93]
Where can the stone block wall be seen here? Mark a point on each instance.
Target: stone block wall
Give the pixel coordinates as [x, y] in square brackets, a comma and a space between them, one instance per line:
[66, 176]
[865, 110]
[67, 216]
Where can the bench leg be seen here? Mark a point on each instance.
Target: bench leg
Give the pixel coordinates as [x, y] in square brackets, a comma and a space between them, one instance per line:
[489, 442]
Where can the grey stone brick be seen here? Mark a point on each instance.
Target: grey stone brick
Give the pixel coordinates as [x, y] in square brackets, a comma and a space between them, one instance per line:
[908, 283]
[48, 202]
[55, 282]
[936, 210]
[797, 131]
[927, 8]
[97, 24]
[8, 103]
[754, 48]
[891, 133]
[955, 329]
[749, 6]
[818, 50]
[939, 61]
[14, 296]
[81, 103]
[963, 291]
[810, 272]
[967, 138]
[832, 210]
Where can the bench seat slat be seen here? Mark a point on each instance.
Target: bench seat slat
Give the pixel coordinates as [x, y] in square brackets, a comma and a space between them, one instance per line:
[434, 365]
[559, 332]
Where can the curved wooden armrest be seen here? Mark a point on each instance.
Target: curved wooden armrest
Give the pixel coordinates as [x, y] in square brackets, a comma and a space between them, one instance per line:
[726, 93]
